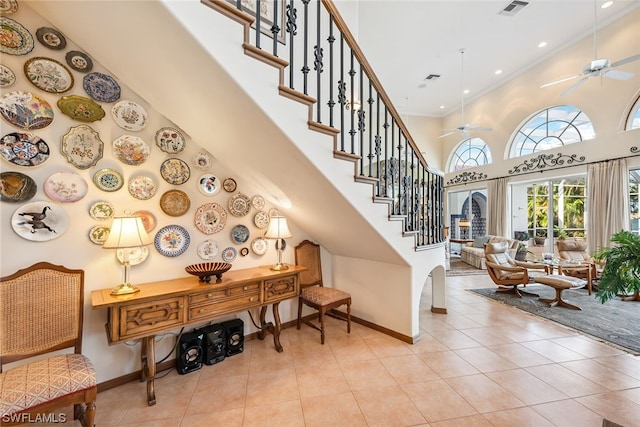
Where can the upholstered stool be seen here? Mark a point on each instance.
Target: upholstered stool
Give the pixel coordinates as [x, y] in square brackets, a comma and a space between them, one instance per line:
[560, 283]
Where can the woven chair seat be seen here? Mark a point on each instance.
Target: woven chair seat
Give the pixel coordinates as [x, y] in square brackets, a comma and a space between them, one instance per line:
[39, 382]
[323, 296]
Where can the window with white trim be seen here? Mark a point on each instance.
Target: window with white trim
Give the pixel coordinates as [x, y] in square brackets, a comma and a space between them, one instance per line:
[470, 153]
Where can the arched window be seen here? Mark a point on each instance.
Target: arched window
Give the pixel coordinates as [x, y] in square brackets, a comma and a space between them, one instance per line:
[551, 128]
[470, 153]
[633, 122]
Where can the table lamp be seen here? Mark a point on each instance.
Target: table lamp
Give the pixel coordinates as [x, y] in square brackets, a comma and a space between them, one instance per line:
[126, 232]
[279, 230]
[464, 225]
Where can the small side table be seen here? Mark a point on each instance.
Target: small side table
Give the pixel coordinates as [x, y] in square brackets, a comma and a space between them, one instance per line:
[459, 241]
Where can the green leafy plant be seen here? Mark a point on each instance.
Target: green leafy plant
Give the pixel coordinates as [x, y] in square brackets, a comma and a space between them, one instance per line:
[621, 272]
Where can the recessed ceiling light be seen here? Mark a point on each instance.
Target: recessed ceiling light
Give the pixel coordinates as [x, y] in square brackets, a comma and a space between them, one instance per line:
[606, 4]
[442, 107]
[498, 72]
[466, 91]
[542, 44]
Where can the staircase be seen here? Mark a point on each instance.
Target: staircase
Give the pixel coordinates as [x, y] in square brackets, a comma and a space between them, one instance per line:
[367, 132]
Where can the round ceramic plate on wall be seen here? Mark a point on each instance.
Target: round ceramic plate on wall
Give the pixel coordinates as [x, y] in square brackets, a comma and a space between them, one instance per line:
[40, 221]
[209, 184]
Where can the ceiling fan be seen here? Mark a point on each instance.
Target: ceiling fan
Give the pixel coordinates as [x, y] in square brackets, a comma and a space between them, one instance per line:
[597, 67]
[463, 128]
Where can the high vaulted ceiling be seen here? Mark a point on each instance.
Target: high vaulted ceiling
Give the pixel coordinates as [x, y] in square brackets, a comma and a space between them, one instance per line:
[407, 40]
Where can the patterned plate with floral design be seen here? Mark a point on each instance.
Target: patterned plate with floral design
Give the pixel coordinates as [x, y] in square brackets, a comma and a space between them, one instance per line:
[136, 255]
[239, 204]
[26, 110]
[101, 211]
[81, 108]
[130, 116]
[209, 185]
[7, 77]
[99, 234]
[7, 7]
[170, 140]
[175, 171]
[148, 219]
[131, 150]
[208, 249]
[79, 61]
[108, 180]
[210, 218]
[48, 74]
[261, 219]
[24, 149]
[172, 240]
[175, 203]
[51, 38]
[101, 87]
[259, 245]
[229, 254]
[65, 187]
[239, 234]
[14, 38]
[82, 146]
[142, 187]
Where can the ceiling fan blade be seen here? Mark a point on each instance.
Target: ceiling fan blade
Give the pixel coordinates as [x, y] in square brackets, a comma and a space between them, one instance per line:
[482, 129]
[626, 60]
[574, 86]
[566, 79]
[448, 133]
[618, 75]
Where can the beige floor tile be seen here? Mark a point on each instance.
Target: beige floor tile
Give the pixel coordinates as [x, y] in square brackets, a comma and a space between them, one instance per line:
[408, 369]
[387, 406]
[586, 346]
[367, 374]
[631, 394]
[552, 351]
[437, 401]
[568, 413]
[321, 382]
[487, 336]
[526, 387]
[521, 417]
[601, 374]
[614, 407]
[386, 346]
[272, 386]
[485, 360]
[625, 363]
[472, 421]
[447, 364]
[221, 417]
[164, 422]
[519, 355]
[427, 344]
[484, 394]
[332, 410]
[282, 414]
[230, 392]
[565, 380]
[455, 340]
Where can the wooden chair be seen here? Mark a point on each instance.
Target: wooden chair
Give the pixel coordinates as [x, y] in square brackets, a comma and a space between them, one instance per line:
[313, 293]
[41, 311]
[508, 273]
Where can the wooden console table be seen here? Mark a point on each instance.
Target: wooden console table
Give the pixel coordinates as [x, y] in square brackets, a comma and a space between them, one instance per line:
[170, 304]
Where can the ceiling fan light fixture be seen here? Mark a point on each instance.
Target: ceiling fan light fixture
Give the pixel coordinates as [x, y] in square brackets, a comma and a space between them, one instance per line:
[606, 4]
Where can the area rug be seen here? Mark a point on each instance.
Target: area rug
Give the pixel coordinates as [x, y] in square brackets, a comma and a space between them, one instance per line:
[459, 268]
[615, 321]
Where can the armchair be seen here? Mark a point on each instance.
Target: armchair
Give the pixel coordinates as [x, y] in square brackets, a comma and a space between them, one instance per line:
[508, 273]
[586, 268]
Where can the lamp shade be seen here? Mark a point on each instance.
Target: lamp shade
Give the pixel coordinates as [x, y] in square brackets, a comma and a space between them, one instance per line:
[464, 223]
[127, 232]
[278, 228]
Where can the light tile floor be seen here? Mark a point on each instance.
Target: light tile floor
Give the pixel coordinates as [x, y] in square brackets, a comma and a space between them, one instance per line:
[482, 364]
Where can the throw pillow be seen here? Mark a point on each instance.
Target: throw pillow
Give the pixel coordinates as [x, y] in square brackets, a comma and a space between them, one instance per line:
[479, 242]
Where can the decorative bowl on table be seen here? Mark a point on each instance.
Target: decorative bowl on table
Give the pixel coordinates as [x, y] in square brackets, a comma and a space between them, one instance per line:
[205, 270]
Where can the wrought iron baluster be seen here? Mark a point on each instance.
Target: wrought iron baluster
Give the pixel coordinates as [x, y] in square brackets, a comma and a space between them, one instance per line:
[305, 68]
[370, 134]
[258, 23]
[361, 121]
[386, 152]
[331, 40]
[318, 67]
[292, 29]
[275, 29]
[342, 95]
[351, 101]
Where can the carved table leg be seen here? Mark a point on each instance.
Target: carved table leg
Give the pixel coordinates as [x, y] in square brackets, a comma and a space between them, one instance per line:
[149, 367]
[262, 331]
[276, 330]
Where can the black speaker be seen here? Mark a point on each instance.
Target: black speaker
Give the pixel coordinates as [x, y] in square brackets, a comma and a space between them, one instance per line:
[234, 330]
[190, 352]
[215, 343]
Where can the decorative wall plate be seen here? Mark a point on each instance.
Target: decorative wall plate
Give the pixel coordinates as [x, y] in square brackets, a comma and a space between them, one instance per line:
[48, 74]
[261, 219]
[14, 38]
[131, 150]
[170, 140]
[99, 234]
[210, 218]
[16, 187]
[175, 203]
[148, 219]
[202, 160]
[130, 116]
[82, 146]
[142, 187]
[108, 180]
[244, 251]
[101, 87]
[24, 149]
[257, 202]
[51, 38]
[101, 211]
[239, 204]
[239, 234]
[81, 108]
[259, 245]
[175, 171]
[7, 77]
[229, 254]
[40, 221]
[209, 185]
[137, 255]
[208, 249]
[7, 7]
[65, 187]
[26, 110]
[229, 185]
[172, 240]
[79, 61]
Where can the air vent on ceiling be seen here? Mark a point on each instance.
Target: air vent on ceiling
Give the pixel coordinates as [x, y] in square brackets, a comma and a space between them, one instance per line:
[432, 77]
[513, 8]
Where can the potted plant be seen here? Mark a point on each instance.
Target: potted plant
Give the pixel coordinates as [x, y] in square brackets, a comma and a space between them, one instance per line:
[621, 272]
